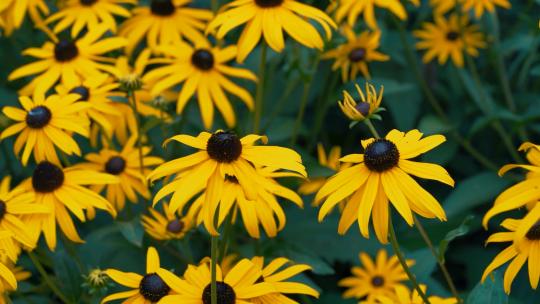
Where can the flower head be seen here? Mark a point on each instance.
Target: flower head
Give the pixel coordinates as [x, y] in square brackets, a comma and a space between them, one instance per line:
[366, 107]
[167, 225]
[404, 296]
[479, 6]
[351, 9]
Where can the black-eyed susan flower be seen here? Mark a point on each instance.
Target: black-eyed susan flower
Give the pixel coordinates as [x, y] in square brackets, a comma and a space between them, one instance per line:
[240, 285]
[81, 14]
[264, 210]
[277, 273]
[381, 175]
[354, 55]
[167, 225]
[70, 61]
[8, 281]
[367, 106]
[164, 22]
[376, 278]
[145, 289]
[97, 92]
[351, 9]
[203, 70]
[13, 13]
[449, 38]
[268, 19]
[441, 7]
[525, 247]
[524, 193]
[222, 154]
[61, 190]
[5, 287]
[404, 296]
[46, 123]
[479, 6]
[126, 165]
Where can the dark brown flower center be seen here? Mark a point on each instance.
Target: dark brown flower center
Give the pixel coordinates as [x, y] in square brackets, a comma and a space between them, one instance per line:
[357, 54]
[115, 165]
[203, 59]
[3, 208]
[175, 226]
[83, 91]
[162, 7]
[88, 2]
[153, 288]
[534, 232]
[38, 117]
[224, 147]
[47, 177]
[452, 36]
[381, 155]
[363, 108]
[377, 281]
[225, 294]
[65, 51]
[268, 3]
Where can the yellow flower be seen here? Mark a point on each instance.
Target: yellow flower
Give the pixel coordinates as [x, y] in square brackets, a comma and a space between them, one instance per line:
[223, 155]
[404, 296]
[164, 22]
[525, 237]
[441, 7]
[13, 13]
[8, 280]
[381, 175]
[68, 61]
[479, 6]
[276, 273]
[124, 164]
[5, 287]
[124, 126]
[166, 226]
[330, 161]
[351, 9]
[524, 192]
[61, 190]
[80, 14]
[146, 289]
[46, 123]
[375, 278]
[366, 107]
[356, 53]
[268, 19]
[449, 38]
[202, 70]
[263, 210]
[239, 285]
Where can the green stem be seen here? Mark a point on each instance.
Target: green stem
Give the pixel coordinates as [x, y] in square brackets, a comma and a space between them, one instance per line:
[281, 103]
[444, 270]
[322, 108]
[260, 89]
[47, 279]
[300, 116]
[403, 262]
[371, 128]
[226, 237]
[213, 266]
[133, 98]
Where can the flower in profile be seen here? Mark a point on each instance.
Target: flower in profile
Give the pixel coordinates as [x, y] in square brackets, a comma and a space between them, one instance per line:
[68, 60]
[375, 278]
[61, 190]
[221, 154]
[264, 210]
[404, 296]
[525, 247]
[330, 161]
[524, 193]
[276, 273]
[351, 9]
[8, 280]
[145, 289]
[354, 55]
[367, 106]
[164, 22]
[449, 38]
[203, 70]
[5, 286]
[13, 13]
[46, 123]
[126, 165]
[167, 225]
[240, 285]
[81, 14]
[381, 175]
[268, 19]
[479, 6]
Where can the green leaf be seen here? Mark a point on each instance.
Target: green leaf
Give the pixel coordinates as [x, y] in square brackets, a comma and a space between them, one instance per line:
[132, 231]
[461, 230]
[431, 124]
[490, 292]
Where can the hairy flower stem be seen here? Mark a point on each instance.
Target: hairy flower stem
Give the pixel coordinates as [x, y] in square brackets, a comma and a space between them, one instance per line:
[213, 266]
[260, 89]
[47, 279]
[133, 102]
[403, 262]
[444, 270]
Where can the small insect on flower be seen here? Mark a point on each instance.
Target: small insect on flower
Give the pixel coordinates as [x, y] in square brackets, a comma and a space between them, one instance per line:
[404, 296]
[366, 108]
[351, 9]
[167, 225]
